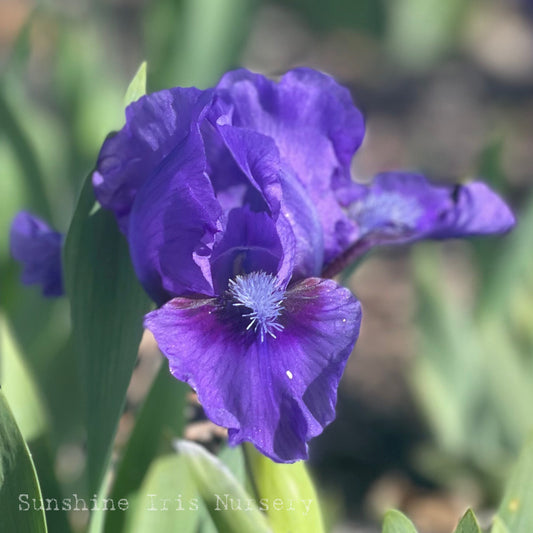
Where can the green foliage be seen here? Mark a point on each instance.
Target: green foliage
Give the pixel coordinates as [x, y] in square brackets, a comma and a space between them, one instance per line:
[468, 523]
[107, 307]
[515, 513]
[17, 477]
[19, 387]
[293, 502]
[168, 500]
[161, 419]
[474, 373]
[230, 507]
[396, 522]
[137, 86]
[192, 42]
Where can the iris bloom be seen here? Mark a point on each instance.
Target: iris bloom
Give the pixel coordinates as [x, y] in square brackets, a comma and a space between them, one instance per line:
[38, 248]
[235, 201]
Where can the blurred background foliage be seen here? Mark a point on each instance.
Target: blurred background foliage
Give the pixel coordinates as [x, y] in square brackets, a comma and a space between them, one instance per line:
[437, 399]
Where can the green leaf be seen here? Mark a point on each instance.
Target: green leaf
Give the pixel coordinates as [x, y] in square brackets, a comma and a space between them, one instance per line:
[516, 508]
[107, 308]
[498, 526]
[233, 458]
[19, 387]
[396, 522]
[292, 500]
[26, 403]
[468, 523]
[18, 480]
[168, 500]
[160, 420]
[137, 86]
[229, 505]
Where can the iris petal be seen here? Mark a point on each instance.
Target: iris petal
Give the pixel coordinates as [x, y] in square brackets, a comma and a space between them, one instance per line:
[401, 207]
[278, 393]
[156, 125]
[172, 226]
[38, 248]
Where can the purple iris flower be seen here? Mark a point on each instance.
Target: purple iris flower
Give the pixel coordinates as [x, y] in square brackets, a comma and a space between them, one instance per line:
[38, 248]
[234, 201]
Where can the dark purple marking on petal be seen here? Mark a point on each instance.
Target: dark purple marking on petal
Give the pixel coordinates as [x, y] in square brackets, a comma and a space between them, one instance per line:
[38, 248]
[277, 393]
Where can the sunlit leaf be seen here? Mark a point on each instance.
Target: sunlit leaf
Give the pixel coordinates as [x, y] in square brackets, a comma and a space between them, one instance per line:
[19, 388]
[292, 500]
[28, 409]
[137, 87]
[168, 500]
[230, 507]
[18, 480]
[468, 523]
[396, 522]
[498, 526]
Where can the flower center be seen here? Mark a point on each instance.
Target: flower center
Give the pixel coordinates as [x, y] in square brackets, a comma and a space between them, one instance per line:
[260, 293]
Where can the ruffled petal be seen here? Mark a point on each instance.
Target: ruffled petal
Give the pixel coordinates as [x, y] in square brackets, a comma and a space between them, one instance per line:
[156, 125]
[316, 128]
[38, 248]
[273, 187]
[172, 225]
[279, 393]
[400, 207]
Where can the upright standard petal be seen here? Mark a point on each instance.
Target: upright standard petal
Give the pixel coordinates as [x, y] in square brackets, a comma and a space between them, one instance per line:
[275, 389]
[38, 248]
[265, 184]
[316, 128]
[156, 126]
[401, 207]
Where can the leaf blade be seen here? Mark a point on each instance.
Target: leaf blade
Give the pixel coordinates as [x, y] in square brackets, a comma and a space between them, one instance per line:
[281, 484]
[396, 522]
[17, 478]
[218, 489]
[468, 523]
[107, 308]
[137, 86]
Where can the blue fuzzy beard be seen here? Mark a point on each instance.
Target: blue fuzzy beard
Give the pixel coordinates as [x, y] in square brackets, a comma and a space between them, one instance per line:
[260, 293]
